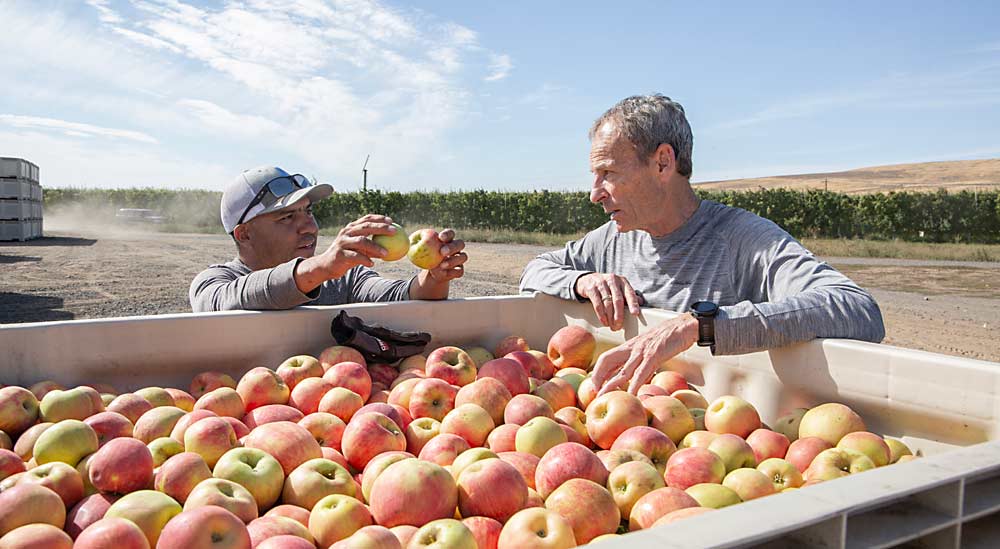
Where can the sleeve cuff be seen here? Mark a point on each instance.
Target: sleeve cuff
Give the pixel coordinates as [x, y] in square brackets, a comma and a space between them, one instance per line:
[571, 291]
[287, 290]
[735, 326]
[409, 284]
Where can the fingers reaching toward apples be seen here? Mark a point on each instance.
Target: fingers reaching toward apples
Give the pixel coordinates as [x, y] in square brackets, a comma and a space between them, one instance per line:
[611, 295]
[635, 361]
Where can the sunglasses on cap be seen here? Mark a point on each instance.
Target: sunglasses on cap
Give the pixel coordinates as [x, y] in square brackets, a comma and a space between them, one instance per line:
[275, 190]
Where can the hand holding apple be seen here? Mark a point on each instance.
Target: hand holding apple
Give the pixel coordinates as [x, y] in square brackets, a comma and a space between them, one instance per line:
[441, 254]
[350, 248]
[396, 244]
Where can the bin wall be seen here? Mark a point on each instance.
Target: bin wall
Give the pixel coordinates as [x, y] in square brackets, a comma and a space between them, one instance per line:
[932, 401]
[937, 404]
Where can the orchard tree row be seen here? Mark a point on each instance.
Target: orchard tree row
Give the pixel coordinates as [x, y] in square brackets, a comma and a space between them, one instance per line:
[965, 216]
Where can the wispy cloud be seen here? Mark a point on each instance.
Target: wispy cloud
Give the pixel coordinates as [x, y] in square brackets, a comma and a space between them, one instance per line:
[500, 67]
[967, 86]
[242, 125]
[797, 108]
[105, 13]
[310, 81]
[72, 128]
[100, 163]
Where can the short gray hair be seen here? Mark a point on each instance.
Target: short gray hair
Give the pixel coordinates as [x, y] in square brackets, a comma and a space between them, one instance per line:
[649, 121]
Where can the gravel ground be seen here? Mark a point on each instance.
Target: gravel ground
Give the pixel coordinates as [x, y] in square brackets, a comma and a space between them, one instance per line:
[940, 306]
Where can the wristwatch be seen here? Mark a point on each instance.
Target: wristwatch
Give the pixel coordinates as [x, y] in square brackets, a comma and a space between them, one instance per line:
[705, 312]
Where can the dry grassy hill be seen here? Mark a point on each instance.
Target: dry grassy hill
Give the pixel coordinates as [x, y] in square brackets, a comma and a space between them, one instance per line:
[926, 176]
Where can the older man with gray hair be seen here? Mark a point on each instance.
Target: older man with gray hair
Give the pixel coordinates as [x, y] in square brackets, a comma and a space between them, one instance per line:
[743, 283]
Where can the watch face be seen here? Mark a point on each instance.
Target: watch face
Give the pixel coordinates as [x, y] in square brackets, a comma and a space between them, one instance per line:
[704, 307]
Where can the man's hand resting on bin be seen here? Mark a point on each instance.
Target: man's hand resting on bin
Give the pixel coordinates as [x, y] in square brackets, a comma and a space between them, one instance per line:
[610, 295]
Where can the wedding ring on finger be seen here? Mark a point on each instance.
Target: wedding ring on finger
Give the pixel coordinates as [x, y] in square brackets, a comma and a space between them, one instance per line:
[607, 298]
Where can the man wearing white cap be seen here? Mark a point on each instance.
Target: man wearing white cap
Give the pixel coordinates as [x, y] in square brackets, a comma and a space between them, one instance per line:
[268, 212]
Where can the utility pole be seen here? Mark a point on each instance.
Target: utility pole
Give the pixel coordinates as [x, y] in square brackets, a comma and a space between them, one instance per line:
[364, 173]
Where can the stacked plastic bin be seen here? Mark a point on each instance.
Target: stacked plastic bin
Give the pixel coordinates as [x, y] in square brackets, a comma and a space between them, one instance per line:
[20, 200]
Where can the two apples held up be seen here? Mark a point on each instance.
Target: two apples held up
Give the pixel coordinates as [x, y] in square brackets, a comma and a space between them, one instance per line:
[423, 247]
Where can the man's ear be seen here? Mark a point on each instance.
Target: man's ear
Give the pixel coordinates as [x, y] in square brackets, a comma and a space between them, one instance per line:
[241, 233]
[665, 157]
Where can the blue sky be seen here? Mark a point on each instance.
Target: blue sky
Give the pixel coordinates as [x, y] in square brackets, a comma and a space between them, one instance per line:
[455, 95]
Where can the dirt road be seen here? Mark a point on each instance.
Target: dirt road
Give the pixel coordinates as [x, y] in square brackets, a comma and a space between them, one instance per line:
[951, 308]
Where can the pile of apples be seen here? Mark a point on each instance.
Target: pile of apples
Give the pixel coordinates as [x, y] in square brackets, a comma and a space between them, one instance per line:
[457, 449]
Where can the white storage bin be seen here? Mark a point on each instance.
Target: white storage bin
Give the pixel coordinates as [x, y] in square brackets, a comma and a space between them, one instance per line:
[19, 168]
[17, 209]
[15, 188]
[945, 407]
[15, 230]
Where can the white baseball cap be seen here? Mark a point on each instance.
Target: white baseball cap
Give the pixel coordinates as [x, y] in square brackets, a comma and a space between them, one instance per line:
[264, 190]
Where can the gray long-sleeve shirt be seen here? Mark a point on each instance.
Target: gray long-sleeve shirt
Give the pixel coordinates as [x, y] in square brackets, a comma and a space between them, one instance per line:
[771, 290]
[234, 286]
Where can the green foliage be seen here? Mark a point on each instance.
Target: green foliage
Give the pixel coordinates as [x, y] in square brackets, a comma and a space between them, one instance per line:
[928, 217]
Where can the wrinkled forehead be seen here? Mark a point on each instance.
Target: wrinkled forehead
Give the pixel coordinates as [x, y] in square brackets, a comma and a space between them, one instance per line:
[609, 148]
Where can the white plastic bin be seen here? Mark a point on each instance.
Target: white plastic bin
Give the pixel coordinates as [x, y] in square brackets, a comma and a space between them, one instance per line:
[12, 208]
[19, 230]
[944, 407]
[15, 188]
[18, 167]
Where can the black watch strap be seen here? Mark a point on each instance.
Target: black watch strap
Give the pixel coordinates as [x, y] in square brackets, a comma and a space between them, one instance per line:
[705, 312]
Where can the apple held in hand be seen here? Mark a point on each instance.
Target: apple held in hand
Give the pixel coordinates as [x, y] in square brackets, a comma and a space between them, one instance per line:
[425, 249]
[396, 244]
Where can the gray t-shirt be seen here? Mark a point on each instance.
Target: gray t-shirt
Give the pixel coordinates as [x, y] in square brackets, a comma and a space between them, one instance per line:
[771, 290]
[234, 286]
